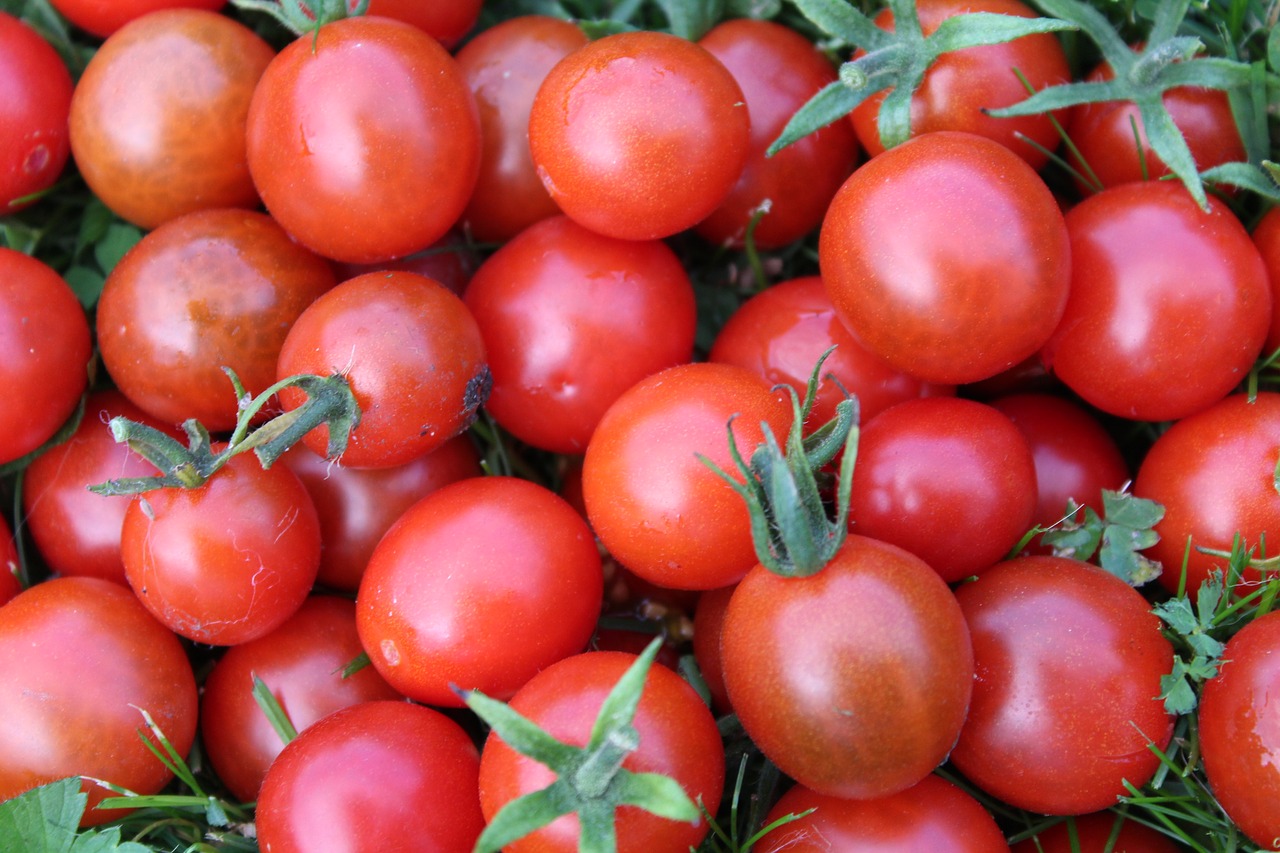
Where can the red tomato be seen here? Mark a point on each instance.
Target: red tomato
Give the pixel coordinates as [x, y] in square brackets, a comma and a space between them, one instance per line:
[301, 663]
[708, 625]
[639, 135]
[104, 17]
[914, 240]
[412, 353]
[79, 659]
[44, 353]
[660, 511]
[678, 738]
[158, 117]
[450, 260]
[504, 66]
[10, 585]
[35, 99]
[388, 777]
[448, 22]
[1266, 236]
[1065, 697]
[480, 584]
[571, 319]
[208, 290]
[364, 140]
[1092, 833]
[1154, 281]
[228, 561]
[1240, 733]
[778, 70]
[932, 815]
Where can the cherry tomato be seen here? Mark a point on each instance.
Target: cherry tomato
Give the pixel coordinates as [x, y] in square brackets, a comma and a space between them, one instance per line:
[639, 135]
[158, 117]
[1266, 236]
[104, 17]
[708, 625]
[1091, 833]
[10, 585]
[913, 241]
[451, 260]
[448, 22]
[35, 99]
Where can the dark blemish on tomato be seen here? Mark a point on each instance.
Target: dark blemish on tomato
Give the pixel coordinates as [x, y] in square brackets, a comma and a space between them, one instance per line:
[477, 391]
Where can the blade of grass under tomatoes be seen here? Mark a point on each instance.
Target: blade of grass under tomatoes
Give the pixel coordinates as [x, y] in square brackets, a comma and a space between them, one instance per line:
[272, 710]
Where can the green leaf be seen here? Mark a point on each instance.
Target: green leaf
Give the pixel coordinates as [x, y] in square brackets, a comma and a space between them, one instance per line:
[86, 283]
[1273, 48]
[758, 9]
[1178, 614]
[44, 819]
[106, 841]
[1134, 513]
[1078, 537]
[1176, 691]
[691, 19]
[113, 246]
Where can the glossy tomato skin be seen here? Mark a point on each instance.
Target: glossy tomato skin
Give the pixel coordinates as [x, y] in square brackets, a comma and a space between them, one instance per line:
[35, 91]
[301, 663]
[480, 585]
[447, 22]
[854, 680]
[1154, 280]
[1266, 236]
[1239, 734]
[10, 585]
[965, 212]
[412, 353]
[357, 781]
[158, 117]
[708, 625]
[364, 142]
[104, 17]
[678, 738]
[932, 816]
[504, 66]
[639, 135]
[657, 509]
[1065, 700]
[778, 70]
[78, 658]
[205, 291]
[228, 561]
[571, 319]
[45, 349]
[1092, 833]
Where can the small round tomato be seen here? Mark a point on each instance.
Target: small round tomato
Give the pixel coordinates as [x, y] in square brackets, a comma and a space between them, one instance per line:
[708, 625]
[376, 776]
[10, 585]
[451, 260]
[104, 17]
[35, 99]
[363, 139]
[448, 22]
[639, 135]
[1266, 236]
[1068, 661]
[80, 659]
[158, 117]
[916, 237]
[1092, 833]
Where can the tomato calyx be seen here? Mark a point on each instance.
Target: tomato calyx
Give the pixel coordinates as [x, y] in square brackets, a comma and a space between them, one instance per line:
[590, 780]
[304, 16]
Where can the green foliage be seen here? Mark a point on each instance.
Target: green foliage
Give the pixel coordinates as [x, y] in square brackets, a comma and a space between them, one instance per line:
[1116, 537]
[46, 820]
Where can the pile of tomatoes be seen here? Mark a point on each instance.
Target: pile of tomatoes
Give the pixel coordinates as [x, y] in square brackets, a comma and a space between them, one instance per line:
[377, 391]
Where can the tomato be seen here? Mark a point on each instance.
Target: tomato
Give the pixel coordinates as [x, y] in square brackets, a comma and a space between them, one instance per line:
[1266, 236]
[158, 117]
[35, 99]
[961, 86]
[1066, 694]
[480, 584]
[364, 140]
[708, 625]
[656, 508]
[301, 663]
[639, 135]
[952, 481]
[571, 319]
[208, 290]
[228, 561]
[450, 261]
[1214, 474]
[103, 17]
[931, 815]
[1154, 281]
[80, 659]
[778, 70]
[1239, 732]
[678, 738]
[1091, 834]
[378, 776]
[44, 353]
[913, 241]
[10, 585]
[448, 22]
[854, 680]
[412, 353]
[504, 66]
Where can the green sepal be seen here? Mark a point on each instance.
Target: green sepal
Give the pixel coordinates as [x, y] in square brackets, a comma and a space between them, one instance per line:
[272, 710]
[1245, 176]
[842, 21]
[304, 16]
[832, 103]
[691, 19]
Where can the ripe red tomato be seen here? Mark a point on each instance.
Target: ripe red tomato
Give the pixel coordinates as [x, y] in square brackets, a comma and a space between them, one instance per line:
[158, 117]
[10, 585]
[1154, 281]
[913, 241]
[451, 260]
[104, 17]
[571, 319]
[412, 353]
[1092, 832]
[854, 680]
[678, 738]
[639, 135]
[228, 561]
[378, 776]
[364, 140]
[708, 625]
[1066, 691]
[35, 99]
[448, 22]
[1266, 236]
[44, 353]
[79, 658]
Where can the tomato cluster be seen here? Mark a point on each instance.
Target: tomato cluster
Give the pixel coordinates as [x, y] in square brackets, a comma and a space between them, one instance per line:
[377, 391]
